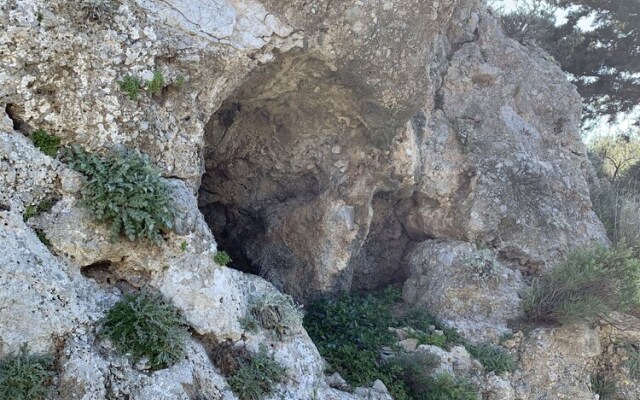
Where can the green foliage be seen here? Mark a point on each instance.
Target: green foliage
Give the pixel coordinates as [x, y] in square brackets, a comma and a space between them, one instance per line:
[25, 376]
[278, 314]
[429, 338]
[448, 387]
[146, 325]
[603, 60]
[633, 361]
[32, 211]
[156, 83]
[222, 258]
[604, 386]
[588, 284]
[616, 195]
[183, 246]
[125, 191]
[256, 377]
[349, 333]
[48, 144]
[418, 318]
[493, 358]
[131, 86]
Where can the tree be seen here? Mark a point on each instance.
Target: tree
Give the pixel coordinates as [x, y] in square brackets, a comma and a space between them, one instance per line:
[603, 61]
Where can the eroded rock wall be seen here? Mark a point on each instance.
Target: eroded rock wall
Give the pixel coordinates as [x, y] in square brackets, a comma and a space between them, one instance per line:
[331, 146]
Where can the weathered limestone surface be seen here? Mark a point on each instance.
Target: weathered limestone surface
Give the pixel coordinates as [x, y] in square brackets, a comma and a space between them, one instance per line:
[333, 146]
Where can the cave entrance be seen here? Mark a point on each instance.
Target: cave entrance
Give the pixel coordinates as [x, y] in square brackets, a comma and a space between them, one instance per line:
[266, 149]
[288, 179]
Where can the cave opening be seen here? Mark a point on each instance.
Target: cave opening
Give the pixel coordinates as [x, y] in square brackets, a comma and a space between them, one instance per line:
[289, 177]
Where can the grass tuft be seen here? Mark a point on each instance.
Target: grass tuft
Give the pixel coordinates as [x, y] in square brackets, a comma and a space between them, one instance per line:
[590, 283]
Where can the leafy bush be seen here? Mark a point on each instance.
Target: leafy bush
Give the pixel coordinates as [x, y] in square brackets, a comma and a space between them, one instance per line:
[278, 314]
[131, 86]
[588, 284]
[48, 144]
[493, 358]
[126, 191]
[603, 386]
[145, 325]
[222, 258]
[256, 377]
[349, 333]
[448, 387]
[156, 84]
[25, 376]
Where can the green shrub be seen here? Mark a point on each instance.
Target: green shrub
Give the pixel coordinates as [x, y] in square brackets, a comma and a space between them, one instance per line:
[25, 376]
[145, 325]
[48, 144]
[126, 191]
[493, 358]
[603, 386]
[349, 333]
[278, 314]
[448, 387]
[588, 284]
[156, 83]
[256, 377]
[131, 86]
[222, 258]
[415, 371]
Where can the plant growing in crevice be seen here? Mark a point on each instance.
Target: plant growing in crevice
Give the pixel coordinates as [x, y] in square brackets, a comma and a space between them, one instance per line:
[603, 386]
[146, 326]
[155, 85]
[278, 314]
[493, 358]
[257, 377]
[131, 86]
[633, 361]
[588, 284]
[34, 210]
[124, 190]
[222, 258]
[251, 376]
[26, 376]
[46, 143]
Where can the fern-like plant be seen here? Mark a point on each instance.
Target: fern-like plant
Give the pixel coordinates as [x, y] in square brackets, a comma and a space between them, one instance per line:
[124, 190]
[26, 376]
[145, 325]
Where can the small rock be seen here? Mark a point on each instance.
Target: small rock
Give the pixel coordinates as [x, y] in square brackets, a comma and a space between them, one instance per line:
[337, 382]
[409, 345]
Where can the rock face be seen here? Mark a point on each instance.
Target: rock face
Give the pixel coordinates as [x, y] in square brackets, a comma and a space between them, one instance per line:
[464, 287]
[330, 146]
